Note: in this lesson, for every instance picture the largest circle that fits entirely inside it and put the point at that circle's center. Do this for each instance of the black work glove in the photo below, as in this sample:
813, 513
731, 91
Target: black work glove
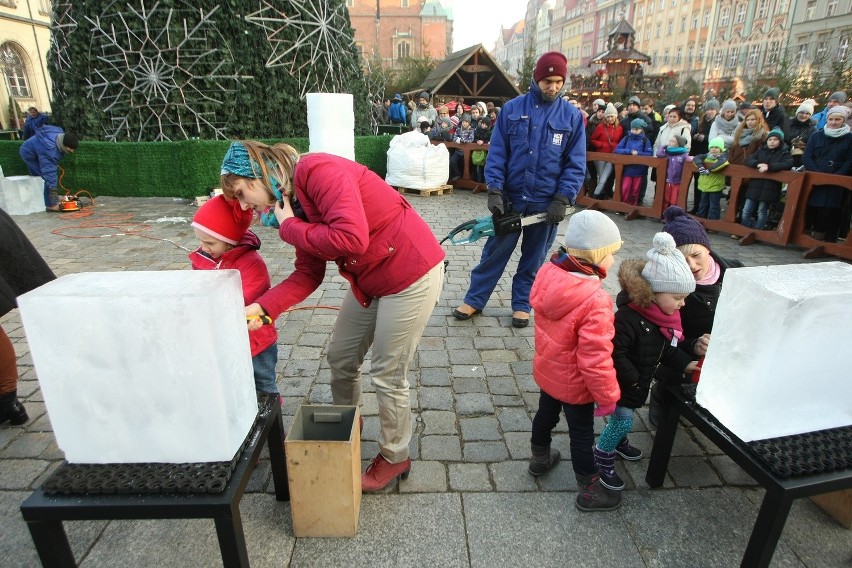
556, 210
495, 202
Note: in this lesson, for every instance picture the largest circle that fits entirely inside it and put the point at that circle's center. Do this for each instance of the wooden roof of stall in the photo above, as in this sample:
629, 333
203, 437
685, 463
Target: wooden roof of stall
470, 73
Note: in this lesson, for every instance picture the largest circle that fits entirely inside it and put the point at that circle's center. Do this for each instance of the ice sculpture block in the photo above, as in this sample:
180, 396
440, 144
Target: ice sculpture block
776, 365
331, 124
143, 366
21, 195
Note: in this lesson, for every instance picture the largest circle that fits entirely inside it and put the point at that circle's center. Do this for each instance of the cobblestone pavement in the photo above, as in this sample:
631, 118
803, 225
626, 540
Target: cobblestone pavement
469, 500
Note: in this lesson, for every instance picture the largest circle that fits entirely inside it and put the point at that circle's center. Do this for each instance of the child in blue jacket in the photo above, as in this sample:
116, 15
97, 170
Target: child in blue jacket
634, 144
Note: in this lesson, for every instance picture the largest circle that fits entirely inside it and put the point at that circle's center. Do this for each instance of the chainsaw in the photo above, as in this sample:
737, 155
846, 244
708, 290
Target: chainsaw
471, 231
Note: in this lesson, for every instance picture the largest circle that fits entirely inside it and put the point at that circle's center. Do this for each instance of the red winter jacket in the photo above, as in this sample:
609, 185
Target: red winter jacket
606, 137
255, 278
574, 327
379, 242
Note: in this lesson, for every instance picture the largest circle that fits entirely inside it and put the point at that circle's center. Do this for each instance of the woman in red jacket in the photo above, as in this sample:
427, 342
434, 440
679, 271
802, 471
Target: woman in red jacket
332, 209
604, 139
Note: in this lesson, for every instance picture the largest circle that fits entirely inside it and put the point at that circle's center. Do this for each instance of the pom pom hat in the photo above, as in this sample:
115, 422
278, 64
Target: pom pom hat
222, 219
610, 110
591, 235
684, 229
550, 64
666, 269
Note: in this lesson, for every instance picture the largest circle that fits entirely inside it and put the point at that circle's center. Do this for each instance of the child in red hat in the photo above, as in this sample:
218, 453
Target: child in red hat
222, 227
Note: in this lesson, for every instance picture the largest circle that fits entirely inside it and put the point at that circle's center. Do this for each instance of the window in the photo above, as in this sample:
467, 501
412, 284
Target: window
783, 7
666, 56
674, 3
44, 7
14, 71
689, 53
683, 24
842, 48
763, 8
642, 11
741, 10
662, 5
701, 54
403, 50
717, 59
350, 3
659, 30
679, 56
403, 3
651, 7
648, 33
821, 50
831, 8
753, 53
772, 52
694, 22
802, 54
733, 56
706, 22
724, 17
810, 12
670, 28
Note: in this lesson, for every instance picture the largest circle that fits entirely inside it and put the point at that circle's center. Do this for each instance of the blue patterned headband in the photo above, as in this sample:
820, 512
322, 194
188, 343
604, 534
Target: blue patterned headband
238, 162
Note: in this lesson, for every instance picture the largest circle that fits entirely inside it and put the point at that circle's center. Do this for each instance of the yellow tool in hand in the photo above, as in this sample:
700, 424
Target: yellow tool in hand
264, 319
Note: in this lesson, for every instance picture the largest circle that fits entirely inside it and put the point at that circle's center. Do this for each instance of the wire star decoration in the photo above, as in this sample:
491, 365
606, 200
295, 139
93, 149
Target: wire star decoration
314, 55
158, 70
62, 25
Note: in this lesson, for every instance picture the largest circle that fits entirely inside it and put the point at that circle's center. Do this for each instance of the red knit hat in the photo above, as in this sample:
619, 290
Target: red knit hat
223, 219
549, 64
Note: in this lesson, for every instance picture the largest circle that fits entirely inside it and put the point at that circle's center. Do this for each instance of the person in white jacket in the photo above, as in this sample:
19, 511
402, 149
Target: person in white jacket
674, 125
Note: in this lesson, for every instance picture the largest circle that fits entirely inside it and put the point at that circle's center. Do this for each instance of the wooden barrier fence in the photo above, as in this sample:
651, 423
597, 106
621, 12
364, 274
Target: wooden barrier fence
789, 230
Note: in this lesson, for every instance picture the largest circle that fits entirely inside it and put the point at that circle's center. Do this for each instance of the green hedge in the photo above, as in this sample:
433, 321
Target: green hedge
163, 169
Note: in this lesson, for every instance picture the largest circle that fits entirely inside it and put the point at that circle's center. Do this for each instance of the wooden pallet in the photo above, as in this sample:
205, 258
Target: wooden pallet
440, 190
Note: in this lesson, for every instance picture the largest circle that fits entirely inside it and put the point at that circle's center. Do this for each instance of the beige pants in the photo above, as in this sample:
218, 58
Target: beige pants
393, 326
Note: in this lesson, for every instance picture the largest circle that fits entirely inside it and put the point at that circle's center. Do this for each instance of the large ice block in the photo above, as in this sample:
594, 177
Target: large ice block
21, 195
143, 366
331, 124
777, 363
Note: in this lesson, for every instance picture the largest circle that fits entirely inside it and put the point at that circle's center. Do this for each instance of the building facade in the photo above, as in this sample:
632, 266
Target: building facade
509, 49
820, 33
24, 43
397, 29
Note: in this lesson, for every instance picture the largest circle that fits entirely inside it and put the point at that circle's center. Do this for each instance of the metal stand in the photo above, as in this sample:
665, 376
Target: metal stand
780, 493
44, 513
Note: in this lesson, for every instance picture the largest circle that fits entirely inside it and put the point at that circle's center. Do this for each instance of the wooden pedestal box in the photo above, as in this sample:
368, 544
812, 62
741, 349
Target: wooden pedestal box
324, 471
837, 504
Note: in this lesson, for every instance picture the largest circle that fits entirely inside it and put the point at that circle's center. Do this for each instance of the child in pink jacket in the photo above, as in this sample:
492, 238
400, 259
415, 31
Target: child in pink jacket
574, 327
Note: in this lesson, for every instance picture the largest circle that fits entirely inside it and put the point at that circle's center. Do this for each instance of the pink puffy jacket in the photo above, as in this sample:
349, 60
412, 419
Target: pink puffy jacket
574, 327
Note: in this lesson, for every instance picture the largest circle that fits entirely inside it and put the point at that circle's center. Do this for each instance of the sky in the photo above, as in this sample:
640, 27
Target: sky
479, 21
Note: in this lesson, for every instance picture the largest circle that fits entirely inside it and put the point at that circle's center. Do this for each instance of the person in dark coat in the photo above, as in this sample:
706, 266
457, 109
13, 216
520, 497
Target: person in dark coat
21, 269
773, 112
801, 128
699, 308
762, 193
33, 122
828, 150
647, 330
42, 153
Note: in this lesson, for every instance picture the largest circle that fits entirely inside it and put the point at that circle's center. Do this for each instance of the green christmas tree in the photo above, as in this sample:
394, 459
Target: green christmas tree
149, 70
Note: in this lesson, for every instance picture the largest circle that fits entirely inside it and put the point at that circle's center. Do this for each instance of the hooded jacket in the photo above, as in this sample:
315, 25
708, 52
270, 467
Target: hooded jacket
255, 279
538, 151
639, 346
573, 337
380, 244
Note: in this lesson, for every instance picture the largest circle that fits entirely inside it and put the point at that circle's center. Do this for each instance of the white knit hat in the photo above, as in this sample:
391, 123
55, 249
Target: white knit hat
806, 106
666, 269
591, 235
610, 110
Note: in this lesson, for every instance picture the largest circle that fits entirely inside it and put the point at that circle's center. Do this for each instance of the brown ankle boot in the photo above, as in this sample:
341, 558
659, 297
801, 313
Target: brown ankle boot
12, 410
595, 497
542, 459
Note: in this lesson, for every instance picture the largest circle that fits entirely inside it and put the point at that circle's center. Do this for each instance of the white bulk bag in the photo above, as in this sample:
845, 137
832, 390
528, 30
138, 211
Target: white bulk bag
416, 163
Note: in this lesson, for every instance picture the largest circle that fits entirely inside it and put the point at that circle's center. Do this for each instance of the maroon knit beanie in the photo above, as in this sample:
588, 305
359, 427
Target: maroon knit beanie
223, 219
550, 64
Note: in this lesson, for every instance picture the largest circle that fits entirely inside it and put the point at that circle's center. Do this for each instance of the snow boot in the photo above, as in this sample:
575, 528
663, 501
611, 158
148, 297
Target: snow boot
595, 497
606, 470
628, 452
542, 459
11, 409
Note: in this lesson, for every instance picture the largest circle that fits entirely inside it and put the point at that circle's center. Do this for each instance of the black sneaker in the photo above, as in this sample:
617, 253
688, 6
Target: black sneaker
628, 452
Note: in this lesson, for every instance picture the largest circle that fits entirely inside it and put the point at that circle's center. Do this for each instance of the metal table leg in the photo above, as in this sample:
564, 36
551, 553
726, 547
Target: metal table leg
52, 544
767, 529
232, 539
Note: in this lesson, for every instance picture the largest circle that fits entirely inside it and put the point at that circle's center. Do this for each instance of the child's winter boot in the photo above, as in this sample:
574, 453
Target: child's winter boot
595, 497
606, 466
543, 458
11, 409
628, 452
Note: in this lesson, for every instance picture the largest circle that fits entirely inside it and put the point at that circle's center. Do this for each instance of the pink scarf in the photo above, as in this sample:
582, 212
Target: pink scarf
670, 325
712, 275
